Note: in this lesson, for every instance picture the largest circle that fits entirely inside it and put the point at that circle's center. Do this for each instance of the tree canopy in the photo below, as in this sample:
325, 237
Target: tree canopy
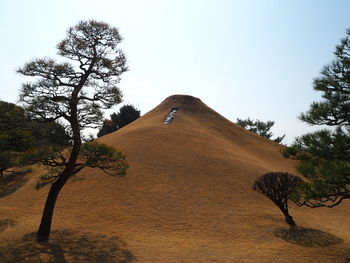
15, 135
260, 128
126, 114
92, 154
324, 155
76, 90
18, 134
277, 186
50, 133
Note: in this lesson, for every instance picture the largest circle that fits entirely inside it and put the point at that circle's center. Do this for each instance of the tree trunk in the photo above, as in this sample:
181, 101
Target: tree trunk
46, 219
288, 218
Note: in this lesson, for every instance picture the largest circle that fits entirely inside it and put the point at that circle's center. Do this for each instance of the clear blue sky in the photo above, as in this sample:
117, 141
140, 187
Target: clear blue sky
248, 58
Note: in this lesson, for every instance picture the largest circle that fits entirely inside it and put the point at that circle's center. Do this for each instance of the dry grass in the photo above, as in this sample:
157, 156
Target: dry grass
66, 246
308, 237
11, 181
187, 197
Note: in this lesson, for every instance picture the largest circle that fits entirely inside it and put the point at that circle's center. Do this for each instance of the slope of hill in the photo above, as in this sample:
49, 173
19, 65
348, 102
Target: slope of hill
187, 197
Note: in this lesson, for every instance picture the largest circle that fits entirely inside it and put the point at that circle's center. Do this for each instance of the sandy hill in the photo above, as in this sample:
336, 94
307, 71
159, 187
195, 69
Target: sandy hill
187, 197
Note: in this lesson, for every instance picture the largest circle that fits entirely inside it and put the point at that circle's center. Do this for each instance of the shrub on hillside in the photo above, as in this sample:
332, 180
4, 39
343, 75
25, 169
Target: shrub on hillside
277, 186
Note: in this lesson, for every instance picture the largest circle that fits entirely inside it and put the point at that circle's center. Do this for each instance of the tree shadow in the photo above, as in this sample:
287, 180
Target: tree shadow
5, 223
307, 237
11, 182
67, 246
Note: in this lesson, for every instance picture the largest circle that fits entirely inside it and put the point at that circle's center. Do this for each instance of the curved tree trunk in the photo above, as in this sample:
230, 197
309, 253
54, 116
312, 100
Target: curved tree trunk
46, 219
289, 219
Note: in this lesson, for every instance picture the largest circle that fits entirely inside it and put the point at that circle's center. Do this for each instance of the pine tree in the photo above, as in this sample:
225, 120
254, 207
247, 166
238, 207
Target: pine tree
277, 186
325, 155
260, 128
76, 92
126, 114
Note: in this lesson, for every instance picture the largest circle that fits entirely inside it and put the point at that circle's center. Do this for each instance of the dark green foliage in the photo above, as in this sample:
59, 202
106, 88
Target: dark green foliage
260, 128
12, 144
12, 117
323, 159
277, 187
108, 126
15, 135
126, 115
8, 160
76, 92
14, 120
92, 154
325, 155
16, 140
18, 133
97, 155
50, 133
334, 83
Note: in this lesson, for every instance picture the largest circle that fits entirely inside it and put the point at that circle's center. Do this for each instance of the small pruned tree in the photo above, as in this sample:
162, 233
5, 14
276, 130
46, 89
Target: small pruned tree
260, 128
75, 91
277, 186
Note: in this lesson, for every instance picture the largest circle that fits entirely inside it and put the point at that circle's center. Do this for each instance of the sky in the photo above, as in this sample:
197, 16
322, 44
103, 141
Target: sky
248, 58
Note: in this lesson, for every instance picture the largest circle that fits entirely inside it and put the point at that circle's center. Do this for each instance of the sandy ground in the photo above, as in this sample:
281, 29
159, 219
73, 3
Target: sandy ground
187, 197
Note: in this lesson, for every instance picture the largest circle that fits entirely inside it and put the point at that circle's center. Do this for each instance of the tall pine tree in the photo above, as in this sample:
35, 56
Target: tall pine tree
325, 155
75, 91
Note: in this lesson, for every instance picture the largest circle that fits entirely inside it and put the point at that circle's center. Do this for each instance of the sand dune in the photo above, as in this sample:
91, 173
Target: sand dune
187, 197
